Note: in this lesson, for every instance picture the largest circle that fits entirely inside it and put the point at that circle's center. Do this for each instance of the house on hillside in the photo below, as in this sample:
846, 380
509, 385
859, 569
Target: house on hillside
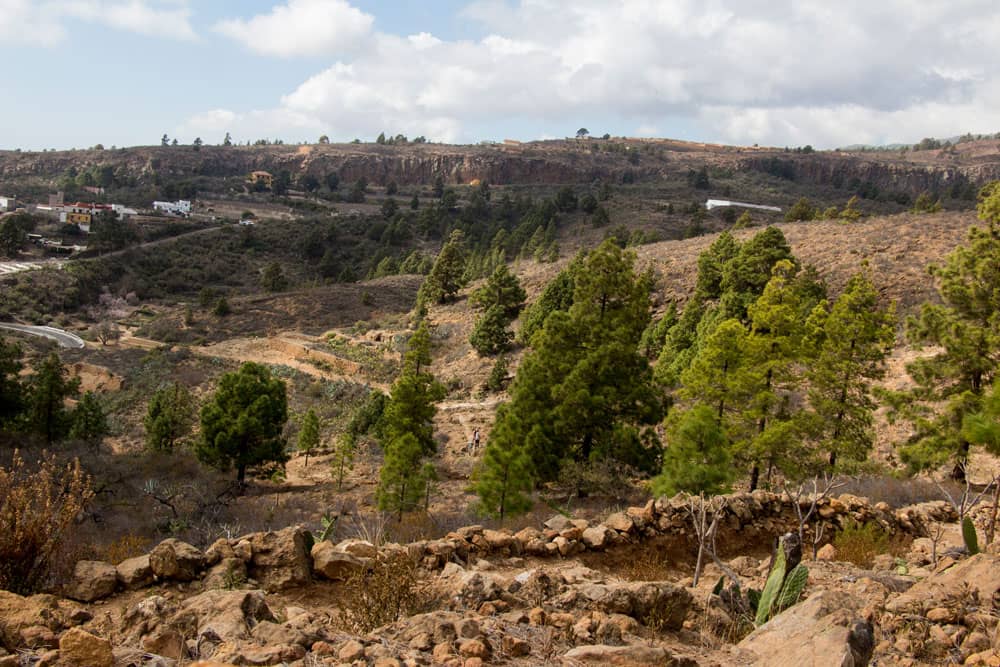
181, 208
261, 177
8, 204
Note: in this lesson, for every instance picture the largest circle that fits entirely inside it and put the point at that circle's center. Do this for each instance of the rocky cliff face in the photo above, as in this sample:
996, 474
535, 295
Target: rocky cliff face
546, 163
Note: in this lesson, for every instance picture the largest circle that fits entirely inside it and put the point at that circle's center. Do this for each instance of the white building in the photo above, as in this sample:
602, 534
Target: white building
182, 207
717, 203
7, 204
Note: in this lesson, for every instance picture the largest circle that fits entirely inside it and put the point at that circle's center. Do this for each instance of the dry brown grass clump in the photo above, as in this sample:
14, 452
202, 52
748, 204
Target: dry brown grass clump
387, 591
38, 507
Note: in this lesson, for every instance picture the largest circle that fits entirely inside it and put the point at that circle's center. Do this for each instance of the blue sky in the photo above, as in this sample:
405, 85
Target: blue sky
124, 72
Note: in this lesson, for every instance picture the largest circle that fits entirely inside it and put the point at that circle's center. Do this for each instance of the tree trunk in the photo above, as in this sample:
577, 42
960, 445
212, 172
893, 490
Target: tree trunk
241, 476
754, 477
833, 458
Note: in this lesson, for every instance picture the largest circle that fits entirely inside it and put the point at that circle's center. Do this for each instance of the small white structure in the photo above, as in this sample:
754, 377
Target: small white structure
719, 203
8, 204
246, 223
181, 207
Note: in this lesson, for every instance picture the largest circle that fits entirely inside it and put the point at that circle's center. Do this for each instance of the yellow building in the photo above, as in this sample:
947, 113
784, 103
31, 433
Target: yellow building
78, 218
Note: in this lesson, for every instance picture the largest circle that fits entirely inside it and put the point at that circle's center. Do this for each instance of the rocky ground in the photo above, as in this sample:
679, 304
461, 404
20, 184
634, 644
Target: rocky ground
568, 592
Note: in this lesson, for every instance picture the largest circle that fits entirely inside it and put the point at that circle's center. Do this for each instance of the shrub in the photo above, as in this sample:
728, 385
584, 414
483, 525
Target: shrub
383, 594
859, 543
127, 546
37, 510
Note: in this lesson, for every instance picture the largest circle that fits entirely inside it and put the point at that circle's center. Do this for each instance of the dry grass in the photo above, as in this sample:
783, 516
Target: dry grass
39, 506
386, 592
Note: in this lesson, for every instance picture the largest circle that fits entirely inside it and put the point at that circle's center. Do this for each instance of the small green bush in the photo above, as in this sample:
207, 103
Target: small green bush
859, 543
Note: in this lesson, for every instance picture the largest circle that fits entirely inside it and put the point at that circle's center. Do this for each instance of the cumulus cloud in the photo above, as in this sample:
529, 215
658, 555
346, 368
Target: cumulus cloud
301, 28
744, 71
42, 22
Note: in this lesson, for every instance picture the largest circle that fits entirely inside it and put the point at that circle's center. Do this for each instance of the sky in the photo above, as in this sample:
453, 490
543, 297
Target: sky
770, 72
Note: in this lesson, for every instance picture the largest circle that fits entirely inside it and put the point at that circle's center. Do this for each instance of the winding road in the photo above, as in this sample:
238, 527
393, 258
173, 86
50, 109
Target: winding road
63, 338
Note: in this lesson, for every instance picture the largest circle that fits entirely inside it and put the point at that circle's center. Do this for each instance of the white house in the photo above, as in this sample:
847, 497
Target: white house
717, 203
7, 204
181, 207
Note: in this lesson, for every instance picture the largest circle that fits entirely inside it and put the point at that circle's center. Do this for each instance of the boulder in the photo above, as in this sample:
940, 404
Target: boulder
92, 580
281, 560
598, 537
979, 572
228, 573
78, 648
18, 613
825, 630
357, 548
135, 573
668, 603
226, 615
827, 552
335, 565
176, 560
166, 642
621, 522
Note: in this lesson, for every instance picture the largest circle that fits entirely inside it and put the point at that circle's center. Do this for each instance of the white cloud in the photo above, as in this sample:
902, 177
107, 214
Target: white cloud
743, 71
301, 28
42, 22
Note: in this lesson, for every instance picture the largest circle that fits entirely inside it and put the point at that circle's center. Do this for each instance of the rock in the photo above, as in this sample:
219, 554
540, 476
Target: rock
979, 572
280, 560
467, 628
668, 602
18, 613
557, 522
135, 573
941, 615
243, 550
637, 655
229, 573
597, 537
621, 522
335, 565
976, 642
78, 648
514, 647
476, 588
827, 552
176, 560
823, 630
357, 548
167, 642
38, 636
268, 632
475, 648
92, 580
218, 550
352, 650
451, 570
228, 615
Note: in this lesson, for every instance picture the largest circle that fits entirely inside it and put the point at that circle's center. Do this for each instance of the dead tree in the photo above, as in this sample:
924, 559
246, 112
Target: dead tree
819, 493
705, 516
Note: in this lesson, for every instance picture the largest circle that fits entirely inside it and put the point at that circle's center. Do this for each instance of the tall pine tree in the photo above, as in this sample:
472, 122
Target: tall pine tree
965, 325
856, 337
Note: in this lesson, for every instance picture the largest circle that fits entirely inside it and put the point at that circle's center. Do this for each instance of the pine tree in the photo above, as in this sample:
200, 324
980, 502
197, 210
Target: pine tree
309, 435
445, 278
966, 326
504, 477
586, 375
696, 458
557, 295
710, 266
772, 376
983, 427
169, 417
46, 412
502, 290
857, 336
242, 424
343, 457
400, 488
490, 334
12, 392
410, 410
715, 376
745, 275
90, 422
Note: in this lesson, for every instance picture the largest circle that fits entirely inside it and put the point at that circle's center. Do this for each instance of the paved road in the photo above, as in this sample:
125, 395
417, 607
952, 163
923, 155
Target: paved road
64, 338
17, 267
